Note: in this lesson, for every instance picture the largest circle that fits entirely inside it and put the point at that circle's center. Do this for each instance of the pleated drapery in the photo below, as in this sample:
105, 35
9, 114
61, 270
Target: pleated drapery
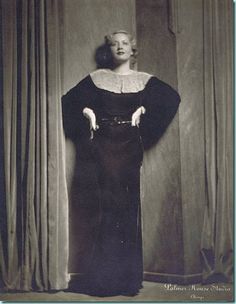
217, 234
34, 204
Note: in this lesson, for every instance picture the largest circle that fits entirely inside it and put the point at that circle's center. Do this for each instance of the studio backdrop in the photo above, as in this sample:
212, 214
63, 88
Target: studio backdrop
47, 47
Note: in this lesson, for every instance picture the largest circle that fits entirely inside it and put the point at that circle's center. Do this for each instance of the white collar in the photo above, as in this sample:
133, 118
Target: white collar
118, 83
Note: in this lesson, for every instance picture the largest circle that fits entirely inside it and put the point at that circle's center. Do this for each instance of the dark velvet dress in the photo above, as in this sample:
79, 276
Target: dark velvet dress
116, 150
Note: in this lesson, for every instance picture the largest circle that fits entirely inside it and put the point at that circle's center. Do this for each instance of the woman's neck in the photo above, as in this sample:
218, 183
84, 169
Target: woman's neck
122, 69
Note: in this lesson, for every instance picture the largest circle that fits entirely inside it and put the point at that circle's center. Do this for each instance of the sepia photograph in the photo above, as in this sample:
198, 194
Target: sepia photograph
116, 151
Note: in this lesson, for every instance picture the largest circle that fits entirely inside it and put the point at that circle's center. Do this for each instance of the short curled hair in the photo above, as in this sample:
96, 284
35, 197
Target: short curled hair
109, 39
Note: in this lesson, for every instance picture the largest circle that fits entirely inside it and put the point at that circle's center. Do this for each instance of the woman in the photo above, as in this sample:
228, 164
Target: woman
114, 113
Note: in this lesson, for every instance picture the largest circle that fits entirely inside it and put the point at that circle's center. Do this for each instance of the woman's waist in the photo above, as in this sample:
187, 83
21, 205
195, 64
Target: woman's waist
121, 131
113, 120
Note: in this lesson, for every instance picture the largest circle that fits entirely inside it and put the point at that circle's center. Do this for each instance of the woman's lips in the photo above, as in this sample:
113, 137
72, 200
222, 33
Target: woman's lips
120, 53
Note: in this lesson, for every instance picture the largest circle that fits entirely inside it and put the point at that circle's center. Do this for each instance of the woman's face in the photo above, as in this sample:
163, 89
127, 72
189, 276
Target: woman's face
121, 48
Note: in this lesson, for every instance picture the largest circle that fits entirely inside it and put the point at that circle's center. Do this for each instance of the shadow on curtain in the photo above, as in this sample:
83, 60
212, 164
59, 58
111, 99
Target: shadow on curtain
34, 209
217, 235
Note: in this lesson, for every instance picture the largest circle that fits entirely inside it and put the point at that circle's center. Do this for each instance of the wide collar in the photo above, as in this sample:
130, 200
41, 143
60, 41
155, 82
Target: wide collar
131, 83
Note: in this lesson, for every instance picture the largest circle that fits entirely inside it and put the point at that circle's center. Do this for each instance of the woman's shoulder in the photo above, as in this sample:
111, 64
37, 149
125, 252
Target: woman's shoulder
106, 79
157, 84
82, 87
84, 84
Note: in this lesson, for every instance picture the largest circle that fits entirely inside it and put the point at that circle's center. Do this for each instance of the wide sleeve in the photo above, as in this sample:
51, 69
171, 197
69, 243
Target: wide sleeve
161, 102
76, 126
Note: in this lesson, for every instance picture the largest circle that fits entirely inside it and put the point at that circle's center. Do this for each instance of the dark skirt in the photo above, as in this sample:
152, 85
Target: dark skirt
116, 263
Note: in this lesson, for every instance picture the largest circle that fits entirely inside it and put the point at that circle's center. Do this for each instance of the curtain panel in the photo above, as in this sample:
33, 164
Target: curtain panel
34, 204
217, 234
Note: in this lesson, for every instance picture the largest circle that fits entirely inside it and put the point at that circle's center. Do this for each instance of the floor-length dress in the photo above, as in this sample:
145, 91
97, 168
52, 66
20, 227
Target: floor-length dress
117, 151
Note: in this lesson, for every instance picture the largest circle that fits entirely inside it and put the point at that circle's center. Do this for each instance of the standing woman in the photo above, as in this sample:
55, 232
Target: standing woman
114, 113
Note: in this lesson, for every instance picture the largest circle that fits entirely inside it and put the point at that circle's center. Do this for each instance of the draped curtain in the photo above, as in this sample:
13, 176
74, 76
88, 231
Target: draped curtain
33, 200
217, 234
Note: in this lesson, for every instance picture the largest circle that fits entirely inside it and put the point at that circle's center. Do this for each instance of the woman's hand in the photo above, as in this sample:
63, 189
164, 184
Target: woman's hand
136, 116
88, 113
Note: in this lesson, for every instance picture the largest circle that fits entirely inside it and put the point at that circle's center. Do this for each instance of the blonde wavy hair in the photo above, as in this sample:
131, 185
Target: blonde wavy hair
110, 37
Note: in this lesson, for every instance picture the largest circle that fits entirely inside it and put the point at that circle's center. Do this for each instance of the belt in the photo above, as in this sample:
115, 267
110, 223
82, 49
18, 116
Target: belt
114, 120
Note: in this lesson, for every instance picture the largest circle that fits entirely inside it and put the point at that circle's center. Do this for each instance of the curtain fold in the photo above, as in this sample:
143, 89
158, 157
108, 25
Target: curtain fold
217, 234
34, 203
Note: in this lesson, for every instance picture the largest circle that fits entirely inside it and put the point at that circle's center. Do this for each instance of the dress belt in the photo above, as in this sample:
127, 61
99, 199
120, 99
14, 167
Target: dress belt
114, 120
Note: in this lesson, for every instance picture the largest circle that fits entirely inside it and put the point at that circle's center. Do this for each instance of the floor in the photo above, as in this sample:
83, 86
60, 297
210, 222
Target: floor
155, 292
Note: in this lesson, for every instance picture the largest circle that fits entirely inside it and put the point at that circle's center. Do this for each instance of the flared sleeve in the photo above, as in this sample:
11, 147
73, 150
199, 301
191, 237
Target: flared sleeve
75, 124
161, 102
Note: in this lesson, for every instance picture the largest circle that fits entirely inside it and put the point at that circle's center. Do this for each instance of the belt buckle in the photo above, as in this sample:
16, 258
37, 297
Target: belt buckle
116, 119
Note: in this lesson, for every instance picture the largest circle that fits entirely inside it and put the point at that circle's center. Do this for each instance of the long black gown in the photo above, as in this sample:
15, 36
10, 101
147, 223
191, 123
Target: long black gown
116, 150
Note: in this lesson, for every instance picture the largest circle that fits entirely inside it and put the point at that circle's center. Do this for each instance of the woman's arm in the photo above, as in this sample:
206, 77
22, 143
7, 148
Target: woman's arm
76, 124
161, 102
